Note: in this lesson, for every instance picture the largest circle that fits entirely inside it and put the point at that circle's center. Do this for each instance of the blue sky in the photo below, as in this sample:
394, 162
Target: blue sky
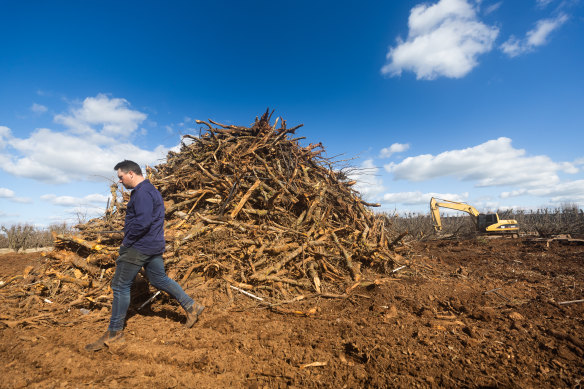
478, 101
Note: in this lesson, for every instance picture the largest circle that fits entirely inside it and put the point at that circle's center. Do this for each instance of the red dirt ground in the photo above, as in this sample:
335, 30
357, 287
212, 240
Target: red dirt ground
473, 313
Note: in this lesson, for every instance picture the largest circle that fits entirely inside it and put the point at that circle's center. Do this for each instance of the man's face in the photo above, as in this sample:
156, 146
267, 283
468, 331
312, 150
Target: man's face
126, 179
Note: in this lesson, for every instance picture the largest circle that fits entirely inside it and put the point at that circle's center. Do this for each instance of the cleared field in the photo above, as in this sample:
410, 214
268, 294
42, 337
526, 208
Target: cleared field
474, 313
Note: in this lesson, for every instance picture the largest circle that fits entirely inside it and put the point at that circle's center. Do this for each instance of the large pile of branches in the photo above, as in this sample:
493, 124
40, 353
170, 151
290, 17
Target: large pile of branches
250, 206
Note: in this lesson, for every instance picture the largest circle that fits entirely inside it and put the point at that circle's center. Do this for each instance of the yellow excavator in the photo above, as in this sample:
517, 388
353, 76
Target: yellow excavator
485, 222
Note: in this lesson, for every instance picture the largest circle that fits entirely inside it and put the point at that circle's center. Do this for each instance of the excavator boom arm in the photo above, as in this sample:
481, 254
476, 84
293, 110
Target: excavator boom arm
435, 210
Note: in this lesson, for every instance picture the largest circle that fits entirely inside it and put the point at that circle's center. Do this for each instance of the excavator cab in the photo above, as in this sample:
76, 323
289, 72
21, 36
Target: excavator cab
485, 220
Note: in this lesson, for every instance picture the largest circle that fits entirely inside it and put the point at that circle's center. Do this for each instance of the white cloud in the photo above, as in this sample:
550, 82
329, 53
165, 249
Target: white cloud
75, 215
57, 157
514, 193
492, 8
571, 191
38, 108
513, 47
5, 134
6, 193
22, 200
70, 201
419, 198
9, 194
113, 116
186, 121
493, 163
444, 39
387, 152
368, 183
82, 152
544, 3
538, 36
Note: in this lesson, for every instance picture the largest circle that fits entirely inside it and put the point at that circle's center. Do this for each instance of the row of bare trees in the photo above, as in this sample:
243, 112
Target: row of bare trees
26, 236
567, 219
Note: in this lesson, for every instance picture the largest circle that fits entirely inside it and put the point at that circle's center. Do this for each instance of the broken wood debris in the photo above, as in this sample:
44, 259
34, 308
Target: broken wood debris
570, 302
250, 206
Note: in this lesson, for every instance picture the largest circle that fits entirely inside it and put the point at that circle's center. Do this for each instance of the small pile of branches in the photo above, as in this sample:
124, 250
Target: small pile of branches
249, 206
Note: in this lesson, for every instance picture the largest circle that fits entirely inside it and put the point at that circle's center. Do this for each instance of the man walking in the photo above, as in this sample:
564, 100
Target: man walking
142, 246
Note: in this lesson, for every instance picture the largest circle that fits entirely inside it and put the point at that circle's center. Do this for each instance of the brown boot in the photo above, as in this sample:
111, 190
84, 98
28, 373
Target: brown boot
193, 314
105, 340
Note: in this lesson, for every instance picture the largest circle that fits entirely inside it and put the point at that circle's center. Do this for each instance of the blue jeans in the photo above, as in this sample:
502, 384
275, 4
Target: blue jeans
124, 277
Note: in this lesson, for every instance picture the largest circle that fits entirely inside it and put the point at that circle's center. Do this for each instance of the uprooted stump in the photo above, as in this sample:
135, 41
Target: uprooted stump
249, 206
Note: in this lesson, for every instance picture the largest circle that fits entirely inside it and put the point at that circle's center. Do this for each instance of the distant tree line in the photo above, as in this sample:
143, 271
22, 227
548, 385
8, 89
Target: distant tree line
26, 236
566, 219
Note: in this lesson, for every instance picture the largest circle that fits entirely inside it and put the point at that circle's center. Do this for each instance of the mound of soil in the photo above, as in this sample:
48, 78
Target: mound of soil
474, 313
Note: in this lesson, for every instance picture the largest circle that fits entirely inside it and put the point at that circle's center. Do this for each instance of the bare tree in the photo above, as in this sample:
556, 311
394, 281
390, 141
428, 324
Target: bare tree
19, 236
25, 236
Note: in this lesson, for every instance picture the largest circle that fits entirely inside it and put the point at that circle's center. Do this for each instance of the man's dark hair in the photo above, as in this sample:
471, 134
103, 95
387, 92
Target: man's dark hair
128, 166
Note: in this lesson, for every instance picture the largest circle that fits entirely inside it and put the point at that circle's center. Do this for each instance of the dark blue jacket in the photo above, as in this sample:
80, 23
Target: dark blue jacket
144, 224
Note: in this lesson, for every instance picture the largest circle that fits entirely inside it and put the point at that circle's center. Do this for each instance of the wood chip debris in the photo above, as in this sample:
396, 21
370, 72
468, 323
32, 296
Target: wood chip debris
313, 364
